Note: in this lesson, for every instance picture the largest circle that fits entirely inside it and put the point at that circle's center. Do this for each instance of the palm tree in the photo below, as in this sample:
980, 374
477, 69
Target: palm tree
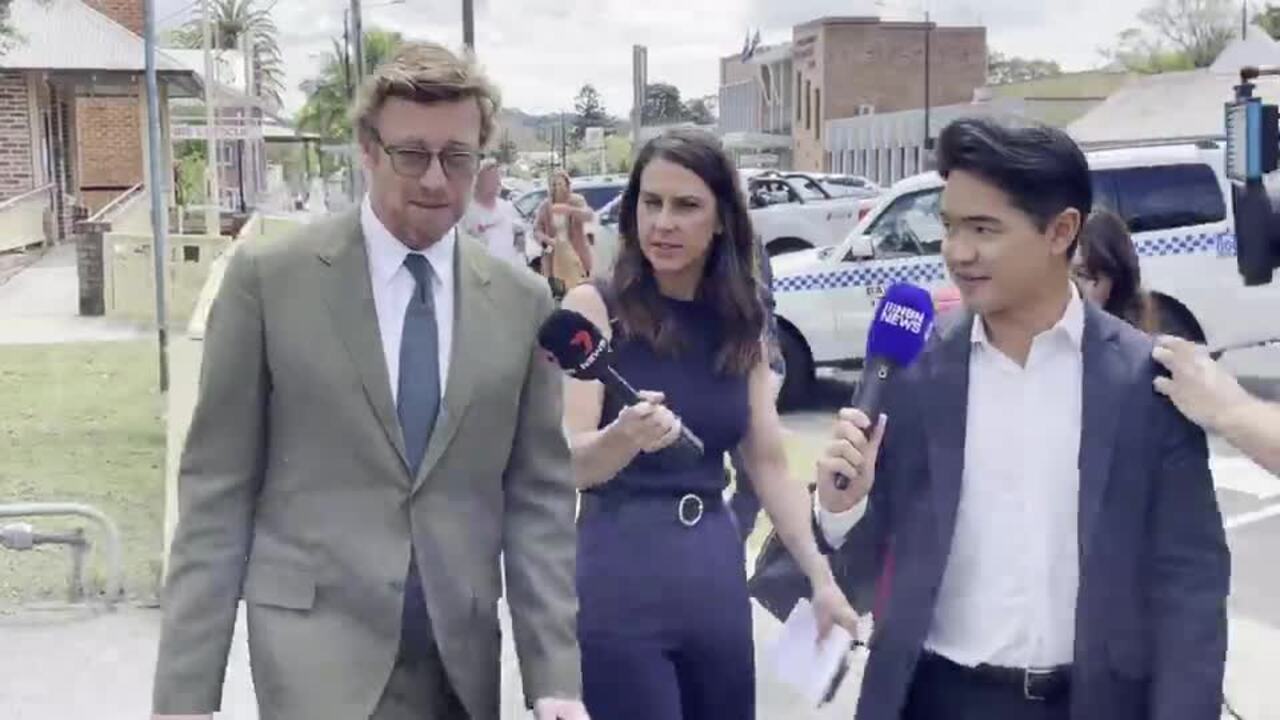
231, 20
327, 110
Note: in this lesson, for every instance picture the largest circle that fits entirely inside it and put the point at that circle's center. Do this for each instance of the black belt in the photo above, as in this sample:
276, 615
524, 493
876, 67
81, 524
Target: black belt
1042, 685
688, 507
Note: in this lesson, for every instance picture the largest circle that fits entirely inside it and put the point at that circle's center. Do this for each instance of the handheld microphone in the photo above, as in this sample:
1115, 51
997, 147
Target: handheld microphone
584, 354
899, 330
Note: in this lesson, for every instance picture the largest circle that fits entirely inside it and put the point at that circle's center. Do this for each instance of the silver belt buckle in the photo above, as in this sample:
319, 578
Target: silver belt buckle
1027, 678
698, 506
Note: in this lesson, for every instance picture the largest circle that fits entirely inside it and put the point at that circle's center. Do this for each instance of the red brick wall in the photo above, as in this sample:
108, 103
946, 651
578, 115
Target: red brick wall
110, 146
126, 12
15, 136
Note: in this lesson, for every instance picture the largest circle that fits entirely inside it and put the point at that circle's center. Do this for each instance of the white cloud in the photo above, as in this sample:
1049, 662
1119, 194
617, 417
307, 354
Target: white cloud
541, 51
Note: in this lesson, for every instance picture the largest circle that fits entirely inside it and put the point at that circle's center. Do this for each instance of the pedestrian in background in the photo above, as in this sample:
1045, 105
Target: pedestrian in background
560, 226
494, 220
1108, 272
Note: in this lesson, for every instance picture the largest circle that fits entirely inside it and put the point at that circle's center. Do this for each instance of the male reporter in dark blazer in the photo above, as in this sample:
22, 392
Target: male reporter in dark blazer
1055, 542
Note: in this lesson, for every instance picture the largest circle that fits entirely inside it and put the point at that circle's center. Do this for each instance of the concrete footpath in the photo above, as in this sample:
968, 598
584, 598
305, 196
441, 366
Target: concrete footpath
60, 665
39, 305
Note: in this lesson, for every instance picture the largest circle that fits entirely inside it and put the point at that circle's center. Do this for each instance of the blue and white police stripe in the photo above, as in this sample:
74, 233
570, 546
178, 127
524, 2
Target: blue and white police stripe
928, 271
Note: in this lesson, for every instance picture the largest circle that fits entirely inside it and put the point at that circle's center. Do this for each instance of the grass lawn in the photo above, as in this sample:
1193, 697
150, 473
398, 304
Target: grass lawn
81, 424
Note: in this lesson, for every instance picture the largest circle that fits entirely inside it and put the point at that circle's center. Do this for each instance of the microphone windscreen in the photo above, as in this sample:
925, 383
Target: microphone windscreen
575, 342
902, 323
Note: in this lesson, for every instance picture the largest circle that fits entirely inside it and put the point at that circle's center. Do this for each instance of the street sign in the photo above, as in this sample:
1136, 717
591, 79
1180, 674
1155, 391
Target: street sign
225, 132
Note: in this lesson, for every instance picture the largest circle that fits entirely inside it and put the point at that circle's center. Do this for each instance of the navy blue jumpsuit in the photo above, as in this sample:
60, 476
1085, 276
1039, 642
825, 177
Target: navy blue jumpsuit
665, 621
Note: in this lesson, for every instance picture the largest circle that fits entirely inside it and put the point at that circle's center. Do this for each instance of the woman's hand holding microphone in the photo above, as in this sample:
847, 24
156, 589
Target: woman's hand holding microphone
649, 426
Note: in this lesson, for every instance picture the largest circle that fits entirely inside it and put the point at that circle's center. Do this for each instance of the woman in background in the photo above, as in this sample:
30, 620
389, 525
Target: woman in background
560, 226
1108, 272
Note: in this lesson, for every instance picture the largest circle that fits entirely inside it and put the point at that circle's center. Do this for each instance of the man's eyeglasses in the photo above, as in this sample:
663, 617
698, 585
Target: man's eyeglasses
414, 162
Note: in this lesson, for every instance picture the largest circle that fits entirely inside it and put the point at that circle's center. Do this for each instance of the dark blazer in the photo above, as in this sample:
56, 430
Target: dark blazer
1151, 623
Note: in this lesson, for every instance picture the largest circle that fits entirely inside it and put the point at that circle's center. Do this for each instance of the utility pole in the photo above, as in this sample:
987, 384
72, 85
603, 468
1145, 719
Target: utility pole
357, 50
159, 218
468, 25
928, 32
251, 117
213, 203
346, 52
639, 92
564, 145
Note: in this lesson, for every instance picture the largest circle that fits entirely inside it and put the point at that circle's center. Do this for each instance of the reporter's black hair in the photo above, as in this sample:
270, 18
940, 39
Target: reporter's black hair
1039, 167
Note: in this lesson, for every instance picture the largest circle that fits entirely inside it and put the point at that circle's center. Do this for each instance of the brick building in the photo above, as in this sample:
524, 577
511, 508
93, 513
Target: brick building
72, 108
851, 66
842, 67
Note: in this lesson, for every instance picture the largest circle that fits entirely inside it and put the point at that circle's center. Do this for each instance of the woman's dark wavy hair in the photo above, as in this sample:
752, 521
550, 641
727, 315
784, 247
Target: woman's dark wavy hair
1107, 249
729, 285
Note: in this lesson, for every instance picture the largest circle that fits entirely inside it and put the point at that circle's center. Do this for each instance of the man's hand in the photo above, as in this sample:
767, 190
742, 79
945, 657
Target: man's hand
553, 709
1199, 387
831, 608
853, 454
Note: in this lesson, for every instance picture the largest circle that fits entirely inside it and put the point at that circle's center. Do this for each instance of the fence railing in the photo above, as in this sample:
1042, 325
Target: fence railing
22, 218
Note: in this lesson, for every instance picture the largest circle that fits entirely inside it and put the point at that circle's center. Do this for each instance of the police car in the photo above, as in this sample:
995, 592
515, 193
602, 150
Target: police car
1175, 198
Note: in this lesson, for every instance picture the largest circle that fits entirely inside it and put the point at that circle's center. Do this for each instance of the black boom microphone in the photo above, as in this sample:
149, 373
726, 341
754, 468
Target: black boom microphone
584, 354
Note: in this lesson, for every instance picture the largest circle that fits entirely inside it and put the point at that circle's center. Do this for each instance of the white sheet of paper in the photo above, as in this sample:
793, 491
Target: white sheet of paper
799, 661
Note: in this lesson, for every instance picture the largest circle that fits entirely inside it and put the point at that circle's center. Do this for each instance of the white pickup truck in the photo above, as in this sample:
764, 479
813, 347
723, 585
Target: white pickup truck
794, 212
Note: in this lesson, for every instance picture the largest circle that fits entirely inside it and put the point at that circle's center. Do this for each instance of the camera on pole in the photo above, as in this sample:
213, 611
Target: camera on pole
1253, 151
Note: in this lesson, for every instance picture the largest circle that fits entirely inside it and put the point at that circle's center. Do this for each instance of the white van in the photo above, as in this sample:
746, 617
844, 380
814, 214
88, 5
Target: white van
1174, 197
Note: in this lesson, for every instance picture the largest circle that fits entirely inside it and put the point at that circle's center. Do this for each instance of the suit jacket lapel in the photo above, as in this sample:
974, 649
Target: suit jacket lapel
945, 409
1104, 382
349, 295
473, 320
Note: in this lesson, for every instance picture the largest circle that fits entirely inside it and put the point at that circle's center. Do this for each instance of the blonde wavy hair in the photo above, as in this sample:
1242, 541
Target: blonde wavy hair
426, 72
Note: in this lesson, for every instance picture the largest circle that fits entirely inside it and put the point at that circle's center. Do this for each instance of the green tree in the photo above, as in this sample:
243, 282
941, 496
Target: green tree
697, 111
589, 108
1177, 35
662, 104
232, 20
327, 109
1002, 69
9, 35
1269, 20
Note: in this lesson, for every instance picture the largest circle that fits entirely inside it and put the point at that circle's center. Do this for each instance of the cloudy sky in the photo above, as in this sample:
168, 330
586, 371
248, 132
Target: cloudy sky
541, 51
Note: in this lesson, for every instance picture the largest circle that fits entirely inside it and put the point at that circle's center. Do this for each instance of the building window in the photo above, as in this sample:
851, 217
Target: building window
862, 163
799, 99
879, 176
902, 162
817, 111
808, 105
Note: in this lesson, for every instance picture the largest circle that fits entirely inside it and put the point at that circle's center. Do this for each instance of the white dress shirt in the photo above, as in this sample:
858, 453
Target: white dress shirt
1008, 595
393, 288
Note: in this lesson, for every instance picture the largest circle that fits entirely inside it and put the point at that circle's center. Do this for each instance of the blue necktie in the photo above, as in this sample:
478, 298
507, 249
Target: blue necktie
417, 404
418, 398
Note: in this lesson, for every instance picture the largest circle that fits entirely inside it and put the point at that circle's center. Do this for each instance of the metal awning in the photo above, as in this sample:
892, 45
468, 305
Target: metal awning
69, 39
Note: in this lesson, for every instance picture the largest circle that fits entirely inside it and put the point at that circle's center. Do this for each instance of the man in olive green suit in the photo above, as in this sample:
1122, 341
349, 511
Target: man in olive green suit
375, 428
